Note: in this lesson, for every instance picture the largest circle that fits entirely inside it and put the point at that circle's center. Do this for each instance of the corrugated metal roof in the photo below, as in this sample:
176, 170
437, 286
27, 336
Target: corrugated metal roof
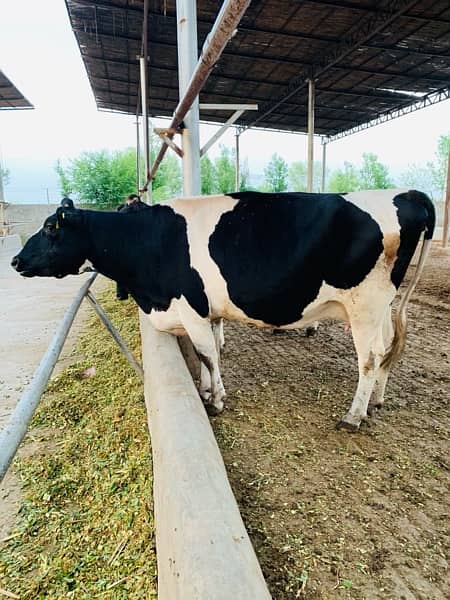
10, 97
369, 58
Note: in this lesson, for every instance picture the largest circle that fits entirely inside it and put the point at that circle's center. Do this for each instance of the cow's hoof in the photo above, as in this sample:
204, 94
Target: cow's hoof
372, 409
352, 427
213, 410
205, 395
311, 331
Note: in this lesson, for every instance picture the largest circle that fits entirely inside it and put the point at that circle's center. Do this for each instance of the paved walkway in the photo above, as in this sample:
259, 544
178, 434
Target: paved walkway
30, 311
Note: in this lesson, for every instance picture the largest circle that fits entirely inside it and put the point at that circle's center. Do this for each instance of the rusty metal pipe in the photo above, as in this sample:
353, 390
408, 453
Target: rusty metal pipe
227, 20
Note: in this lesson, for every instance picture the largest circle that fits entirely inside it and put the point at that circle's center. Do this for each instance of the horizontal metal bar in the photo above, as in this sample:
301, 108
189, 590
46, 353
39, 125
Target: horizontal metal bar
14, 432
228, 106
166, 139
234, 117
115, 334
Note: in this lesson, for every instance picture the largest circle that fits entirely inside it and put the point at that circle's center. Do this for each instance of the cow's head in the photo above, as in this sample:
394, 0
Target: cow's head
56, 250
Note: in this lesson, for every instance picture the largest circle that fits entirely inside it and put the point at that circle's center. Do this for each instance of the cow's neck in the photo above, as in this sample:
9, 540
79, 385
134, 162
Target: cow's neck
148, 253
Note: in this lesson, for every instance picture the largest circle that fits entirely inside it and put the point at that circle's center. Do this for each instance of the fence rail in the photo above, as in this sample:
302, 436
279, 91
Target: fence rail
14, 431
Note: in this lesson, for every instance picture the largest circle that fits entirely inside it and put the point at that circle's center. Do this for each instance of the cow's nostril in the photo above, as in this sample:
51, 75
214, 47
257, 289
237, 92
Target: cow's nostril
15, 262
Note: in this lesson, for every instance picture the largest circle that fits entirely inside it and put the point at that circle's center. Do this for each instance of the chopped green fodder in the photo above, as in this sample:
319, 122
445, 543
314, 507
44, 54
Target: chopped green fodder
86, 522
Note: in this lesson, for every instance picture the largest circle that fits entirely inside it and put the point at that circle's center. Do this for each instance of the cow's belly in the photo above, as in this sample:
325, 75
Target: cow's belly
327, 305
168, 321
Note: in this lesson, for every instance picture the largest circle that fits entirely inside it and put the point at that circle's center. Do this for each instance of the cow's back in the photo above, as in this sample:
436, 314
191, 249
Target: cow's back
270, 254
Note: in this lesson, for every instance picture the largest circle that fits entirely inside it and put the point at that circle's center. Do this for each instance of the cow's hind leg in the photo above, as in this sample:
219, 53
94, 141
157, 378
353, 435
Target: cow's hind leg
368, 339
203, 339
377, 397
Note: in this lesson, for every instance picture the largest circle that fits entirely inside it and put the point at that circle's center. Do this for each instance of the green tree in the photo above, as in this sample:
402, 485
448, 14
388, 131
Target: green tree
345, 179
244, 176
219, 176
298, 176
418, 177
225, 170
438, 169
276, 174
167, 182
373, 175
208, 176
65, 186
104, 179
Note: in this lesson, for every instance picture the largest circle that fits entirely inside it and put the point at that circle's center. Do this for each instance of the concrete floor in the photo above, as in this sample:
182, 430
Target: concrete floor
30, 311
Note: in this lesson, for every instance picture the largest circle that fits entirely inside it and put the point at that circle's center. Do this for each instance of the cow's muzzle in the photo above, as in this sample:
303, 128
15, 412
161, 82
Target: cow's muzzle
18, 266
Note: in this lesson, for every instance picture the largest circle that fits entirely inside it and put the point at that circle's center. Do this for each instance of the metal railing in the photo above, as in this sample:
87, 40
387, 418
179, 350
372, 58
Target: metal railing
14, 431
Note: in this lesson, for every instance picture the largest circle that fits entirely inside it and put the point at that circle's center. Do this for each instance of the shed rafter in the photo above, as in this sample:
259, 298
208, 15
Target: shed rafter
368, 59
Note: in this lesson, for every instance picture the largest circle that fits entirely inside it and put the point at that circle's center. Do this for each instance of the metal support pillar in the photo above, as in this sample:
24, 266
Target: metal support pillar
143, 72
324, 164
187, 63
237, 172
138, 155
310, 176
446, 207
223, 28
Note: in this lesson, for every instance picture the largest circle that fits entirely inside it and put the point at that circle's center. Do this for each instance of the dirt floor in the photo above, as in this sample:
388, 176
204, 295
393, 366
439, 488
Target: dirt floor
331, 514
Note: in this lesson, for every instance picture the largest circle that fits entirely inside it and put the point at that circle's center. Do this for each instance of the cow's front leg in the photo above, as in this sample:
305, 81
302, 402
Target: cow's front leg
217, 327
200, 332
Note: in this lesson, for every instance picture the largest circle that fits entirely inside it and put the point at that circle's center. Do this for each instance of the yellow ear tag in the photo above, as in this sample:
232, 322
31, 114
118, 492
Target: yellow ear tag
56, 225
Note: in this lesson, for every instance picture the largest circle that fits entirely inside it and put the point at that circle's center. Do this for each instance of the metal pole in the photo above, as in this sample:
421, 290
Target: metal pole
14, 431
143, 72
138, 156
115, 334
187, 62
2, 193
310, 135
324, 164
223, 28
446, 207
237, 172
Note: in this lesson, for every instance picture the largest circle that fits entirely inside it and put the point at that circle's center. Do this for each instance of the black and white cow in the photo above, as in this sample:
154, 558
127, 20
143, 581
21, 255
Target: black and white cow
274, 260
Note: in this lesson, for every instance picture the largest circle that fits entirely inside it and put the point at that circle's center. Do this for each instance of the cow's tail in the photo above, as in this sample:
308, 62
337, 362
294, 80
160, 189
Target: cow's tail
401, 319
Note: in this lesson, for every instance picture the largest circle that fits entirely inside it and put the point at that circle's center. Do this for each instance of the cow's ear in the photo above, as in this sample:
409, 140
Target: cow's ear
68, 216
67, 203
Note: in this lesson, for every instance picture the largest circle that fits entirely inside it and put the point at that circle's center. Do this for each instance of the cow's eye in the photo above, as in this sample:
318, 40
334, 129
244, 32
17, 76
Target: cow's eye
49, 229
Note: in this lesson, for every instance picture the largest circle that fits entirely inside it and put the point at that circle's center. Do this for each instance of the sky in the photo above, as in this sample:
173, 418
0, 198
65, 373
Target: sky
39, 53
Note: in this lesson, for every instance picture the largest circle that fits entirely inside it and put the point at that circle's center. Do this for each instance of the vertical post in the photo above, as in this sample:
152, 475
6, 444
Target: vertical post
310, 178
138, 156
237, 172
324, 164
3, 223
446, 207
2, 194
143, 72
187, 62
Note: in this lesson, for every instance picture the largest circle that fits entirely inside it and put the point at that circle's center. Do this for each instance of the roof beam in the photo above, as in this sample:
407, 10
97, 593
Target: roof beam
255, 31
319, 89
356, 6
361, 33
311, 66
428, 100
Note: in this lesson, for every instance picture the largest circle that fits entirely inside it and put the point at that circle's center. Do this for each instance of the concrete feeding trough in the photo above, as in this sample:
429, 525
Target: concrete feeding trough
203, 549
